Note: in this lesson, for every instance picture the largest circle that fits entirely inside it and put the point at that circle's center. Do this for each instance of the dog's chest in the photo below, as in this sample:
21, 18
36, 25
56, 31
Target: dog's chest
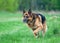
34, 24
30, 24
33, 27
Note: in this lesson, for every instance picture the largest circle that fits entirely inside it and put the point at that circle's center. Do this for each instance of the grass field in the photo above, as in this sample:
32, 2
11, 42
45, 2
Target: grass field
13, 30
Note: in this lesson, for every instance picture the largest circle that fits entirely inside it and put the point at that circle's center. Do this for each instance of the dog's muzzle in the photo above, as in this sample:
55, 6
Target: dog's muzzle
25, 20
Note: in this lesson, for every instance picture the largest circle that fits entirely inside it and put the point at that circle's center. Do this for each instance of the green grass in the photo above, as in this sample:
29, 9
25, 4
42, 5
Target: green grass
13, 30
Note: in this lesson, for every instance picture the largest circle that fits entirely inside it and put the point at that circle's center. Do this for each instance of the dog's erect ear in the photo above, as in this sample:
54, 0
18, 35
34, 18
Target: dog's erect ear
30, 11
23, 11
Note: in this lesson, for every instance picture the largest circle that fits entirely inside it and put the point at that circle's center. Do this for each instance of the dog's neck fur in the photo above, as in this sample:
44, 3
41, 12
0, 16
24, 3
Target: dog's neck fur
32, 23
33, 18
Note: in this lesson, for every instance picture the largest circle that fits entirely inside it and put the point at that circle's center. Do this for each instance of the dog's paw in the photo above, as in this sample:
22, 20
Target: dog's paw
36, 36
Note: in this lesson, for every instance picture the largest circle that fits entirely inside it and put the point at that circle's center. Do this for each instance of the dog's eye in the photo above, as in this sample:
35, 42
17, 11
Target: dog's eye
25, 14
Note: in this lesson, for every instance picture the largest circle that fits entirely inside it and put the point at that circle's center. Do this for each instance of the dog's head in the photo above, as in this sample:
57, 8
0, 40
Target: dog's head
27, 15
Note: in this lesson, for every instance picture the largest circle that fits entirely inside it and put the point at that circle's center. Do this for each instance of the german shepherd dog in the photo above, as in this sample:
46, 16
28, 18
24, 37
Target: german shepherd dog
37, 22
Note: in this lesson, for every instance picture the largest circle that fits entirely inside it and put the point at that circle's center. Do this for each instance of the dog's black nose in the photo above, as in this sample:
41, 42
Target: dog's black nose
25, 20
27, 16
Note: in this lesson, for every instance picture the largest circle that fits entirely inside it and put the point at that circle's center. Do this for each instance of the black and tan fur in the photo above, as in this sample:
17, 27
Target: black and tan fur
37, 22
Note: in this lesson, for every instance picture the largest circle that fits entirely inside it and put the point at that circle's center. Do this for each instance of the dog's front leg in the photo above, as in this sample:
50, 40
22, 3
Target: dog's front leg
36, 32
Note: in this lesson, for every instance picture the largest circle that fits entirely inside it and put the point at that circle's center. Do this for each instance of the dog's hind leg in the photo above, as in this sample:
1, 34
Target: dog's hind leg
44, 29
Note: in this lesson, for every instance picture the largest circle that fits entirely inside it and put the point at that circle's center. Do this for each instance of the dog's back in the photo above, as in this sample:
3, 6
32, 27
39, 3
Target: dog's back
42, 17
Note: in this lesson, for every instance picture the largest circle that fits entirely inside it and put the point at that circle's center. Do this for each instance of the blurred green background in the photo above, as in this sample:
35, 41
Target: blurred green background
12, 28
13, 5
